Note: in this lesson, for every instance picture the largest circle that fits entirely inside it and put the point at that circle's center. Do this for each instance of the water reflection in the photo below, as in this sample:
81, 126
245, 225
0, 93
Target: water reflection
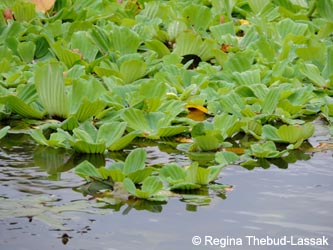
54, 161
273, 202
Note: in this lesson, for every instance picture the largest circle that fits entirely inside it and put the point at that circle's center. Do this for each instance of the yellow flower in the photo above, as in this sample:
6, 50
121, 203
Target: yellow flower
244, 22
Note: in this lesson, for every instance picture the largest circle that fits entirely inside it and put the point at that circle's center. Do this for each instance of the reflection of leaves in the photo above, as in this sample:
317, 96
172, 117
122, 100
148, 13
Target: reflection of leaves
43, 208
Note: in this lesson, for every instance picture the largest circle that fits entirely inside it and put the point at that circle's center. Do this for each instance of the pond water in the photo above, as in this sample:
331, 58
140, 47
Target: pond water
293, 201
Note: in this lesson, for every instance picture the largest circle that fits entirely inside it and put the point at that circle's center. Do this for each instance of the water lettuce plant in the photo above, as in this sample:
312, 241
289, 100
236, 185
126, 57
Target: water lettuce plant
109, 72
137, 180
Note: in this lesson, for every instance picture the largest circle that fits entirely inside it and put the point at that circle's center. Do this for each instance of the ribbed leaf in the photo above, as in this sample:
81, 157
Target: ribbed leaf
257, 5
198, 16
185, 186
81, 40
289, 133
89, 109
152, 185
67, 56
140, 175
226, 158
132, 70
135, 161
248, 77
85, 169
89, 148
307, 130
4, 131
188, 43
288, 26
111, 132
173, 173
206, 142
135, 119
171, 131
232, 103
158, 47
215, 170
125, 40
271, 100
202, 176
124, 141
312, 72
129, 185
101, 39
51, 89
21, 108
328, 69
270, 133
325, 9
24, 11
26, 51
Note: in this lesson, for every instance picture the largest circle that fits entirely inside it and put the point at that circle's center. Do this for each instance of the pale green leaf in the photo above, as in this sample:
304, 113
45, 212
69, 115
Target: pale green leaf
4, 131
86, 170
51, 89
135, 161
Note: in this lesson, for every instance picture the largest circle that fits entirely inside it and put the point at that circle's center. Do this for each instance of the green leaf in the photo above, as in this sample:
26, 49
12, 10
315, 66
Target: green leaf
197, 16
124, 141
135, 161
312, 72
158, 47
202, 176
130, 187
135, 119
172, 173
171, 131
207, 142
125, 40
89, 148
39, 137
132, 70
111, 132
51, 89
289, 133
328, 69
81, 40
271, 100
89, 109
325, 9
214, 171
4, 131
248, 77
270, 133
257, 5
24, 11
185, 186
152, 185
26, 50
225, 158
86, 170
188, 43
307, 130
266, 150
288, 26
140, 175
21, 108
232, 103
67, 56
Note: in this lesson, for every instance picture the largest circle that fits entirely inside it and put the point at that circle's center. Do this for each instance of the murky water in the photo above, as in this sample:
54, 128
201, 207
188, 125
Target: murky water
293, 202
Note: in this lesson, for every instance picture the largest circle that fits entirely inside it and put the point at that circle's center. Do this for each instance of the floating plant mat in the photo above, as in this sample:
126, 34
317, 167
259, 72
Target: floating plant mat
221, 82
